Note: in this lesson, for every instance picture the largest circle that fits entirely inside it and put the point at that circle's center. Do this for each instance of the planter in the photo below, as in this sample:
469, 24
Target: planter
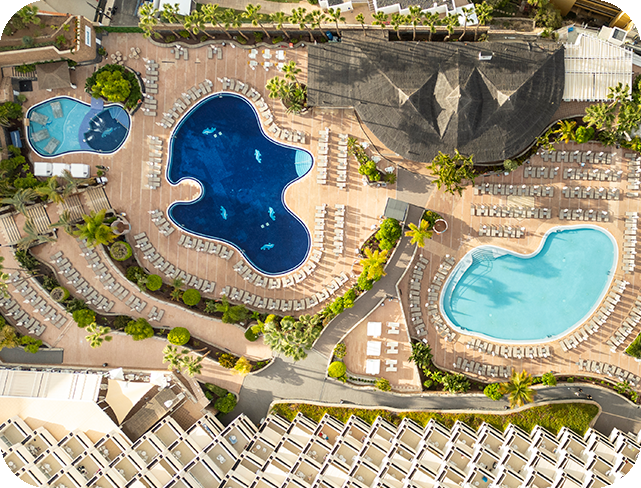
120, 226
440, 226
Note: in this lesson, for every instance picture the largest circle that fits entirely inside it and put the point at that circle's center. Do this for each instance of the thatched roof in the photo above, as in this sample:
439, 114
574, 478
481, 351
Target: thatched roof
487, 99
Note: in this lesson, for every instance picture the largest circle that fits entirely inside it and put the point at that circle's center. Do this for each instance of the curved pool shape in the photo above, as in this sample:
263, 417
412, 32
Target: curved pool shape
243, 176
531, 298
63, 125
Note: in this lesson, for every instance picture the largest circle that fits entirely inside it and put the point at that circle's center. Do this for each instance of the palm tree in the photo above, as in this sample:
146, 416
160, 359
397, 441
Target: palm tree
467, 14
66, 222
194, 23
419, 233
148, 16
51, 191
432, 20
316, 18
416, 14
71, 184
276, 87
173, 356
192, 365
483, 14
380, 18
210, 14
169, 15
335, 15
291, 70
374, 263
232, 19
299, 16
97, 335
20, 199
94, 230
278, 19
252, 13
566, 130
32, 236
397, 21
518, 389
360, 18
451, 21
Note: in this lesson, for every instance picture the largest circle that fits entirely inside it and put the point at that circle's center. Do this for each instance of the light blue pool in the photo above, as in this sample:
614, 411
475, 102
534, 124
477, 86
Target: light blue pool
63, 125
512, 297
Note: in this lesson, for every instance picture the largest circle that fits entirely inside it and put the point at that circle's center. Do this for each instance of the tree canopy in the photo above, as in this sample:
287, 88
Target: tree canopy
450, 171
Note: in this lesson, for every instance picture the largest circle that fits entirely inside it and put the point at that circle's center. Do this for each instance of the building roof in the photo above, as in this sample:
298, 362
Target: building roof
419, 98
396, 209
52, 76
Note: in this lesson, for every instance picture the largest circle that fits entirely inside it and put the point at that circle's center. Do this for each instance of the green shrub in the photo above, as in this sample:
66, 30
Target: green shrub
584, 134
227, 360
570, 380
27, 41
216, 390
340, 350
170, 38
277, 39
120, 251
364, 283
84, 317
510, 165
250, 336
191, 297
179, 336
209, 395
26, 260
493, 391
389, 233
455, 383
548, 379
121, 322
49, 283
634, 349
337, 370
226, 404
30, 344
134, 273
74, 305
59, 294
258, 328
349, 298
154, 282
139, 329
258, 36
427, 384
383, 384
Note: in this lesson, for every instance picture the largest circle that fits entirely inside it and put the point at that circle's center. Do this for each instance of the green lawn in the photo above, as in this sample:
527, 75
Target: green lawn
575, 416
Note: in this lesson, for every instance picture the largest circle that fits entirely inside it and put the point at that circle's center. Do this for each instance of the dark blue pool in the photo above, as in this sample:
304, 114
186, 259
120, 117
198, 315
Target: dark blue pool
243, 175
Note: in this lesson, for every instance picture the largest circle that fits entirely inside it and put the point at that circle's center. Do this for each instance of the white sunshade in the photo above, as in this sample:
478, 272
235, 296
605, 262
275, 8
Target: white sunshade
158, 378
374, 329
373, 348
373, 366
117, 374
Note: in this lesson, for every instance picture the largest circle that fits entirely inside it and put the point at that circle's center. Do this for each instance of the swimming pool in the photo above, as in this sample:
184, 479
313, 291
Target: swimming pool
243, 176
512, 297
63, 125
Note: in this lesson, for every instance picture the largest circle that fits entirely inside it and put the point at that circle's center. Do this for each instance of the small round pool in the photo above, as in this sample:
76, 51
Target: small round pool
63, 125
511, 297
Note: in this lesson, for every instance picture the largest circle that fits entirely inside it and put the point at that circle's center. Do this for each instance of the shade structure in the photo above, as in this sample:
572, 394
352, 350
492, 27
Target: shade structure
53, 76
373, 348
374, 329
373, 366
117, 374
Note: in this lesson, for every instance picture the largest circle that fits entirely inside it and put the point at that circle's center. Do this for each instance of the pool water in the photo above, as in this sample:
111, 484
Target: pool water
513, 297
95, 128
243, 176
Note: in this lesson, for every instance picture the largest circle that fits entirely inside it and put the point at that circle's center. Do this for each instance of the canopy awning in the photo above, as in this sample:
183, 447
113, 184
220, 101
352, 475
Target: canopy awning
53, 76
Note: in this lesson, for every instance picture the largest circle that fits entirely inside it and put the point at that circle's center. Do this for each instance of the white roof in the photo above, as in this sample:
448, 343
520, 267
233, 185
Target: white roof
372, 366
52, 386
373, 348
592, 65
77, 170
374, 329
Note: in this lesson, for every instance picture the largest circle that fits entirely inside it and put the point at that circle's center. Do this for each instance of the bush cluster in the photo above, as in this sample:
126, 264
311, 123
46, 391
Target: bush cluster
120, 251
179, 336
389, 233
191, 297
337, 370
154, 282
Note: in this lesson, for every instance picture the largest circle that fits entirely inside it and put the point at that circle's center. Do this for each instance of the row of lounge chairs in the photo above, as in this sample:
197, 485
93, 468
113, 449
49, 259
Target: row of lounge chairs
580, 214
519, 190
168, 269
608, 369
209, 247
341, 173
319, 226
507, 211
180, 105
21, 318
506, 231
630, 242
151, 88
627, 326
593, 193
432, 295
213, 50
90, 295
597, 174
591, 157
258, 302
486, 370
634, 177
539, 172
339, 228
599, 318
155, 162
159, 220
323, 150
415, 295
517, 352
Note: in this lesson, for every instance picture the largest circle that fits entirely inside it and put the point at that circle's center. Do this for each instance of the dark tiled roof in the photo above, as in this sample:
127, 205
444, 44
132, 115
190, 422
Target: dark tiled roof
419, 98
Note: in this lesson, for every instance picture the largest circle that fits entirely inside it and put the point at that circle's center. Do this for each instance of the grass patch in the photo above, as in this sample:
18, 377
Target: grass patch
574, 416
